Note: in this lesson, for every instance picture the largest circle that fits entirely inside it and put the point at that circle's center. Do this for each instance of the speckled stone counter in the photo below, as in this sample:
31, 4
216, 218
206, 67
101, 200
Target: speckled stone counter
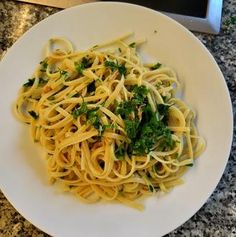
217, 218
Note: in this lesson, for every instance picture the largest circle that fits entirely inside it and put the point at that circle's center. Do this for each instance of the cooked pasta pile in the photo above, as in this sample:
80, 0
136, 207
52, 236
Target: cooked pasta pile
111, 126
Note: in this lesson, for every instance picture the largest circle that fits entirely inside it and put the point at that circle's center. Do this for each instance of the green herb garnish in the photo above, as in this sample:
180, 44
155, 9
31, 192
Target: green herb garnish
44, 65
29, 83
120, 152
64, 73
110, 126
150, 133
115, 66
91, 116
132, 45
127, 107
85, 63
144, 127
94, 119
33, 114
151, 188
189, 165
156, 66
140, 94
80, 110
79, 67
163, 110
131, 128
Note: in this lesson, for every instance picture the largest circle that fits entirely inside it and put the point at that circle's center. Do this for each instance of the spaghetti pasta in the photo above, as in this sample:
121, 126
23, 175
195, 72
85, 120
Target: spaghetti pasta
111, 127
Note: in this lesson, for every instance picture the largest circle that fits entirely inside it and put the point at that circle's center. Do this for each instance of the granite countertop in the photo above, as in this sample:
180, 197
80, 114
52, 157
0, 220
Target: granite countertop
218, 216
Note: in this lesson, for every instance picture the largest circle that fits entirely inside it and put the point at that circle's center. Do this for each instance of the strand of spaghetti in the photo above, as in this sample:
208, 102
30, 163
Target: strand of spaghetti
123, 37
112, 116
128, 174
66, 43
115, 93
115, 136
179, 129
156, 93
130, 203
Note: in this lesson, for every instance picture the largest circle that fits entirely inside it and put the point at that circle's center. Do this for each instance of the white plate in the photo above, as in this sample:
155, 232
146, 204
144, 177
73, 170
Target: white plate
22, 171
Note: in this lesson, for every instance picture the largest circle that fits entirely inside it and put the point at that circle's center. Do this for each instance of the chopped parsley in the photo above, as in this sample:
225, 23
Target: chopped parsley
33, 114
91, 115
131, 128
85, 63
132, 45
150, 133
64, 73
44, 65
190, 165
94, 119
151, 188
156, 66
110, 126
127, 107
30, 82
115, 66
80, 110
145, 130
140, 94
120, 152
163, 110
79, 67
